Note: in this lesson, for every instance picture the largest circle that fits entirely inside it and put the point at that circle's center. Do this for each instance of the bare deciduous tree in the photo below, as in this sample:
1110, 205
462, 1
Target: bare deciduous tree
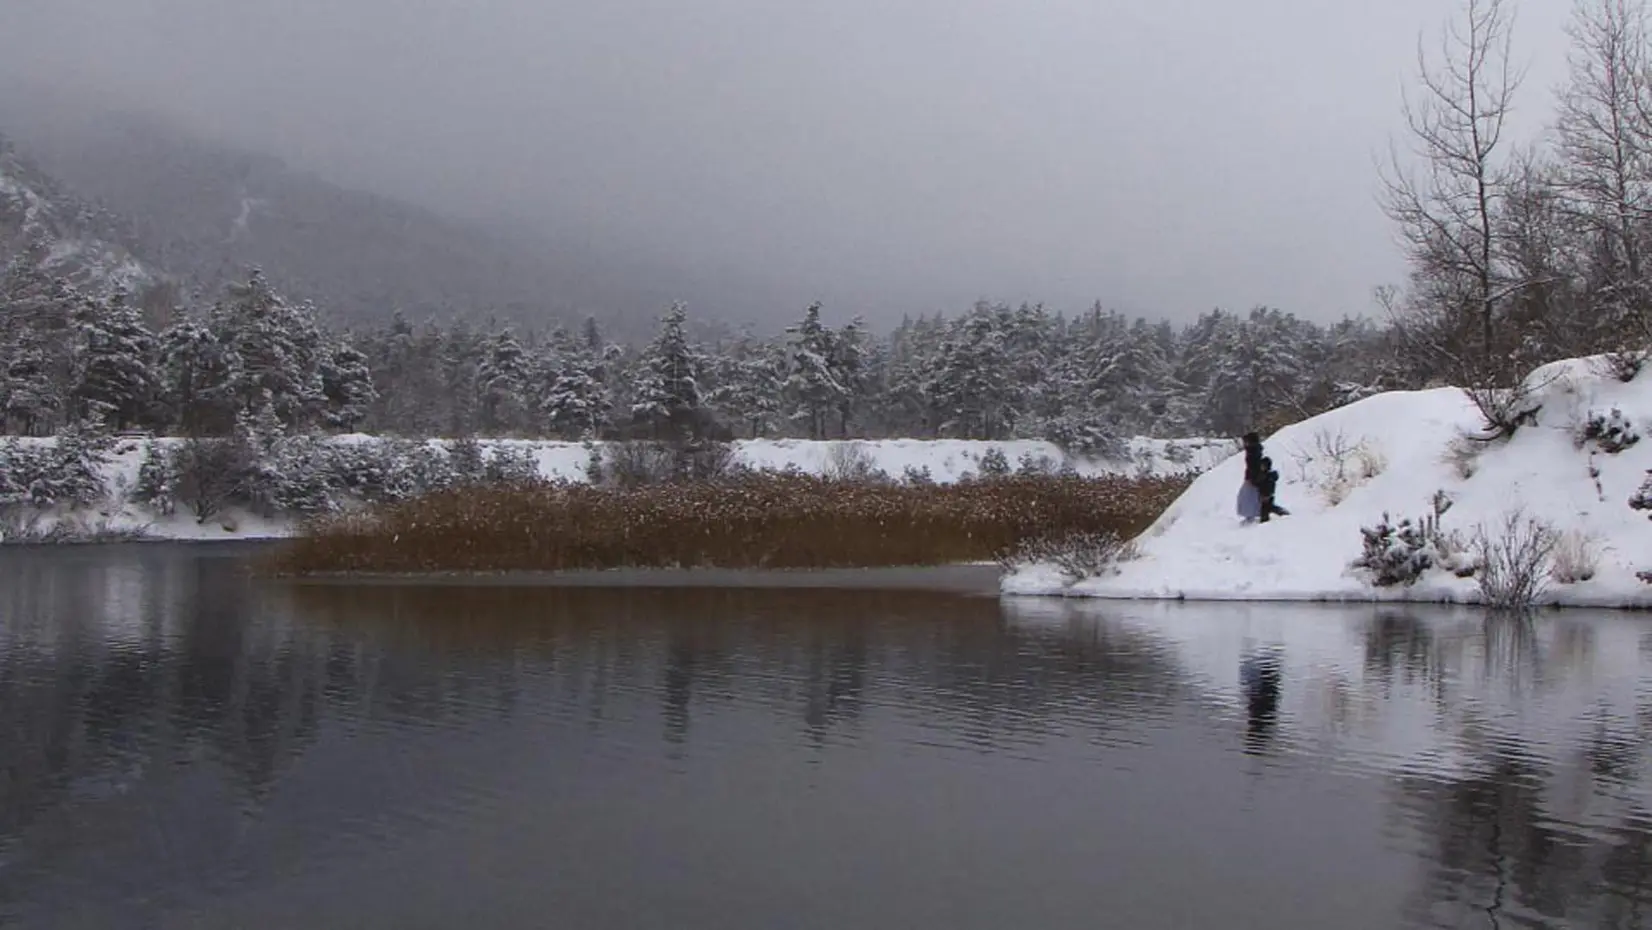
1604, 131
1447, 207
1450, 209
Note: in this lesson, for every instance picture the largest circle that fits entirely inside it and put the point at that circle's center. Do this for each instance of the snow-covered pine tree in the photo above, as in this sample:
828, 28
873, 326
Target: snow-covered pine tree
576, 405
811, 389
279, 346
117, 378
30, 403
461, 356
347, 382
969, 381
501, 385
667, 400
199, 378
848, 365
747, 387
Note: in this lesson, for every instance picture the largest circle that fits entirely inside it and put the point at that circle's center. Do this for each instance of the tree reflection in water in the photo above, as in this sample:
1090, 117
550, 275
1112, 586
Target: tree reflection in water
156, 688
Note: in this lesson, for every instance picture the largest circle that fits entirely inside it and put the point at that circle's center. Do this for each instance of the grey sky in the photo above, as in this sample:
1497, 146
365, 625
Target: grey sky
1163, 156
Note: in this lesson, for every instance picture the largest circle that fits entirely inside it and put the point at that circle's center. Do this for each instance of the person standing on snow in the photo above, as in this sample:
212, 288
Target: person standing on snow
1250, 491
1268, 486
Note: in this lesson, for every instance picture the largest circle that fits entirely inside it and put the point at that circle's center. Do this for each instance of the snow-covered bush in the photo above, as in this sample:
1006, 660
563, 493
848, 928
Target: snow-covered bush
1516, 561
156, 487
384, 470
849, 461
1336, 464
1642, 498
1463, 455
511, 465
1036, 464
1395, 554
643, 462
917, 475
1610, 432
20, 467
1087, 438
994, 463
1576, 558
1400, 553
1076, 556
68, 471
1623, 364
466, 463
207, 474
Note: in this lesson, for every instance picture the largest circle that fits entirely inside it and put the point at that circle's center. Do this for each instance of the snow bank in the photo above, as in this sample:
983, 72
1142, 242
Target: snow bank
946, 461
1394, 453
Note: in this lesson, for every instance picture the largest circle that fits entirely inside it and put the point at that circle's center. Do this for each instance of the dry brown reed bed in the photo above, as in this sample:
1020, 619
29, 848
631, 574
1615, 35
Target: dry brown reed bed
762, 521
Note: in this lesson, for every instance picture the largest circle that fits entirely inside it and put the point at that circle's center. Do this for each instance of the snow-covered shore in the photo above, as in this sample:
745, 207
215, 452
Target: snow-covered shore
1403, 454
117, 517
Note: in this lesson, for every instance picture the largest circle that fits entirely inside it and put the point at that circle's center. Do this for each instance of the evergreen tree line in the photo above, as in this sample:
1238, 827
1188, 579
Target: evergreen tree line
1518, 257
992, 372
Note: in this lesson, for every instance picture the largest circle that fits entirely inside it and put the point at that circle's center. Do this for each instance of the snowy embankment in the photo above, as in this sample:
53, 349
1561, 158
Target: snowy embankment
1404, 455
119, 515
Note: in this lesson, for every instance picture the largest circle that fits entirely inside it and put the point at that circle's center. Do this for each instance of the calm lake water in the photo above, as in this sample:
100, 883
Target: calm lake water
183, 746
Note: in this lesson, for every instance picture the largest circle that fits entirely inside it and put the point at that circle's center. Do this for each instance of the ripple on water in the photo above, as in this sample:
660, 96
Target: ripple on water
504, 757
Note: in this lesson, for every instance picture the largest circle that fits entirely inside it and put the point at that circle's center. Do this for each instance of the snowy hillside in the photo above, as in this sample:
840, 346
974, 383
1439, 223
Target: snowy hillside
70, 240
1403, 454
117, 512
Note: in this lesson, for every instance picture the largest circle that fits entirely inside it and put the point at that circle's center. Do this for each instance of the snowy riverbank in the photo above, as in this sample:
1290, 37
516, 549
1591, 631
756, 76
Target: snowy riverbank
119, 511
1403, 454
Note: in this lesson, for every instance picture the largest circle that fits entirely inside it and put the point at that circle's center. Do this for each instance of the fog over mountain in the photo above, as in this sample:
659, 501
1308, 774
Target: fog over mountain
749, 157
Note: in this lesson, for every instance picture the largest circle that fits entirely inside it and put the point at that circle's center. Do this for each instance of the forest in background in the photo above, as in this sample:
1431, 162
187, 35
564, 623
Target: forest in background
1518, 256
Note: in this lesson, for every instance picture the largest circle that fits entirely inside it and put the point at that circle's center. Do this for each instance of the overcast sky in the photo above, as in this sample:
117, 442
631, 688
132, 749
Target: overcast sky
1163, 156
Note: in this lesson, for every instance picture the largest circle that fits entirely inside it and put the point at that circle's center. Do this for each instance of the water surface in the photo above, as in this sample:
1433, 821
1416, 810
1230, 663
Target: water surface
184, 746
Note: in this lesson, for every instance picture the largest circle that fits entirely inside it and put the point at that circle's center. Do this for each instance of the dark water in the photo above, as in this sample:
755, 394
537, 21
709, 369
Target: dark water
183, 747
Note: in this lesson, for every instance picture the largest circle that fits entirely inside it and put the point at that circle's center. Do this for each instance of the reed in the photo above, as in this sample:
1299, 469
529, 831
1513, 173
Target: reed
755, 521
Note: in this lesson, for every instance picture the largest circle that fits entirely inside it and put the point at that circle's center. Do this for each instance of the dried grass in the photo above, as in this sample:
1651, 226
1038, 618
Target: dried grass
756, 521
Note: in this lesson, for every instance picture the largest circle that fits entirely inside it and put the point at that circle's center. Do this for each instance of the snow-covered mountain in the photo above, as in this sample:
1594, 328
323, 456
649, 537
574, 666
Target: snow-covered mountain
63, 236
206, 212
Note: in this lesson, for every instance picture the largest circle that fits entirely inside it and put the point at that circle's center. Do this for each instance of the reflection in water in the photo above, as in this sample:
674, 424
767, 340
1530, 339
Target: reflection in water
1259, 675
183, 746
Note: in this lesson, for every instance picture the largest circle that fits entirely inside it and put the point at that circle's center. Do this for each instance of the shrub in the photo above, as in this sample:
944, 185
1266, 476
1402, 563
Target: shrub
1336, 465
1034, 464
465, 462
511, 465
849, 461
917, 476
1623, 364
1504, 410
1076, 556
1400, 553
1463, 455
1395, 554
642, 462
1610, 432
994, 463
65, 471
1642, 498
1516, 563
1576, 558
156, 487
207, 474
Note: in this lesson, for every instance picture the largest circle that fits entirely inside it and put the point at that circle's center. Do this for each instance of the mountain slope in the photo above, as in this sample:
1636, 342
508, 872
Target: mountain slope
206, 212
63, 236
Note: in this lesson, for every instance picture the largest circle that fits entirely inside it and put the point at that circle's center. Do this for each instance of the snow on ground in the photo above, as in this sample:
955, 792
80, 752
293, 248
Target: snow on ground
946, 460
1393, 453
